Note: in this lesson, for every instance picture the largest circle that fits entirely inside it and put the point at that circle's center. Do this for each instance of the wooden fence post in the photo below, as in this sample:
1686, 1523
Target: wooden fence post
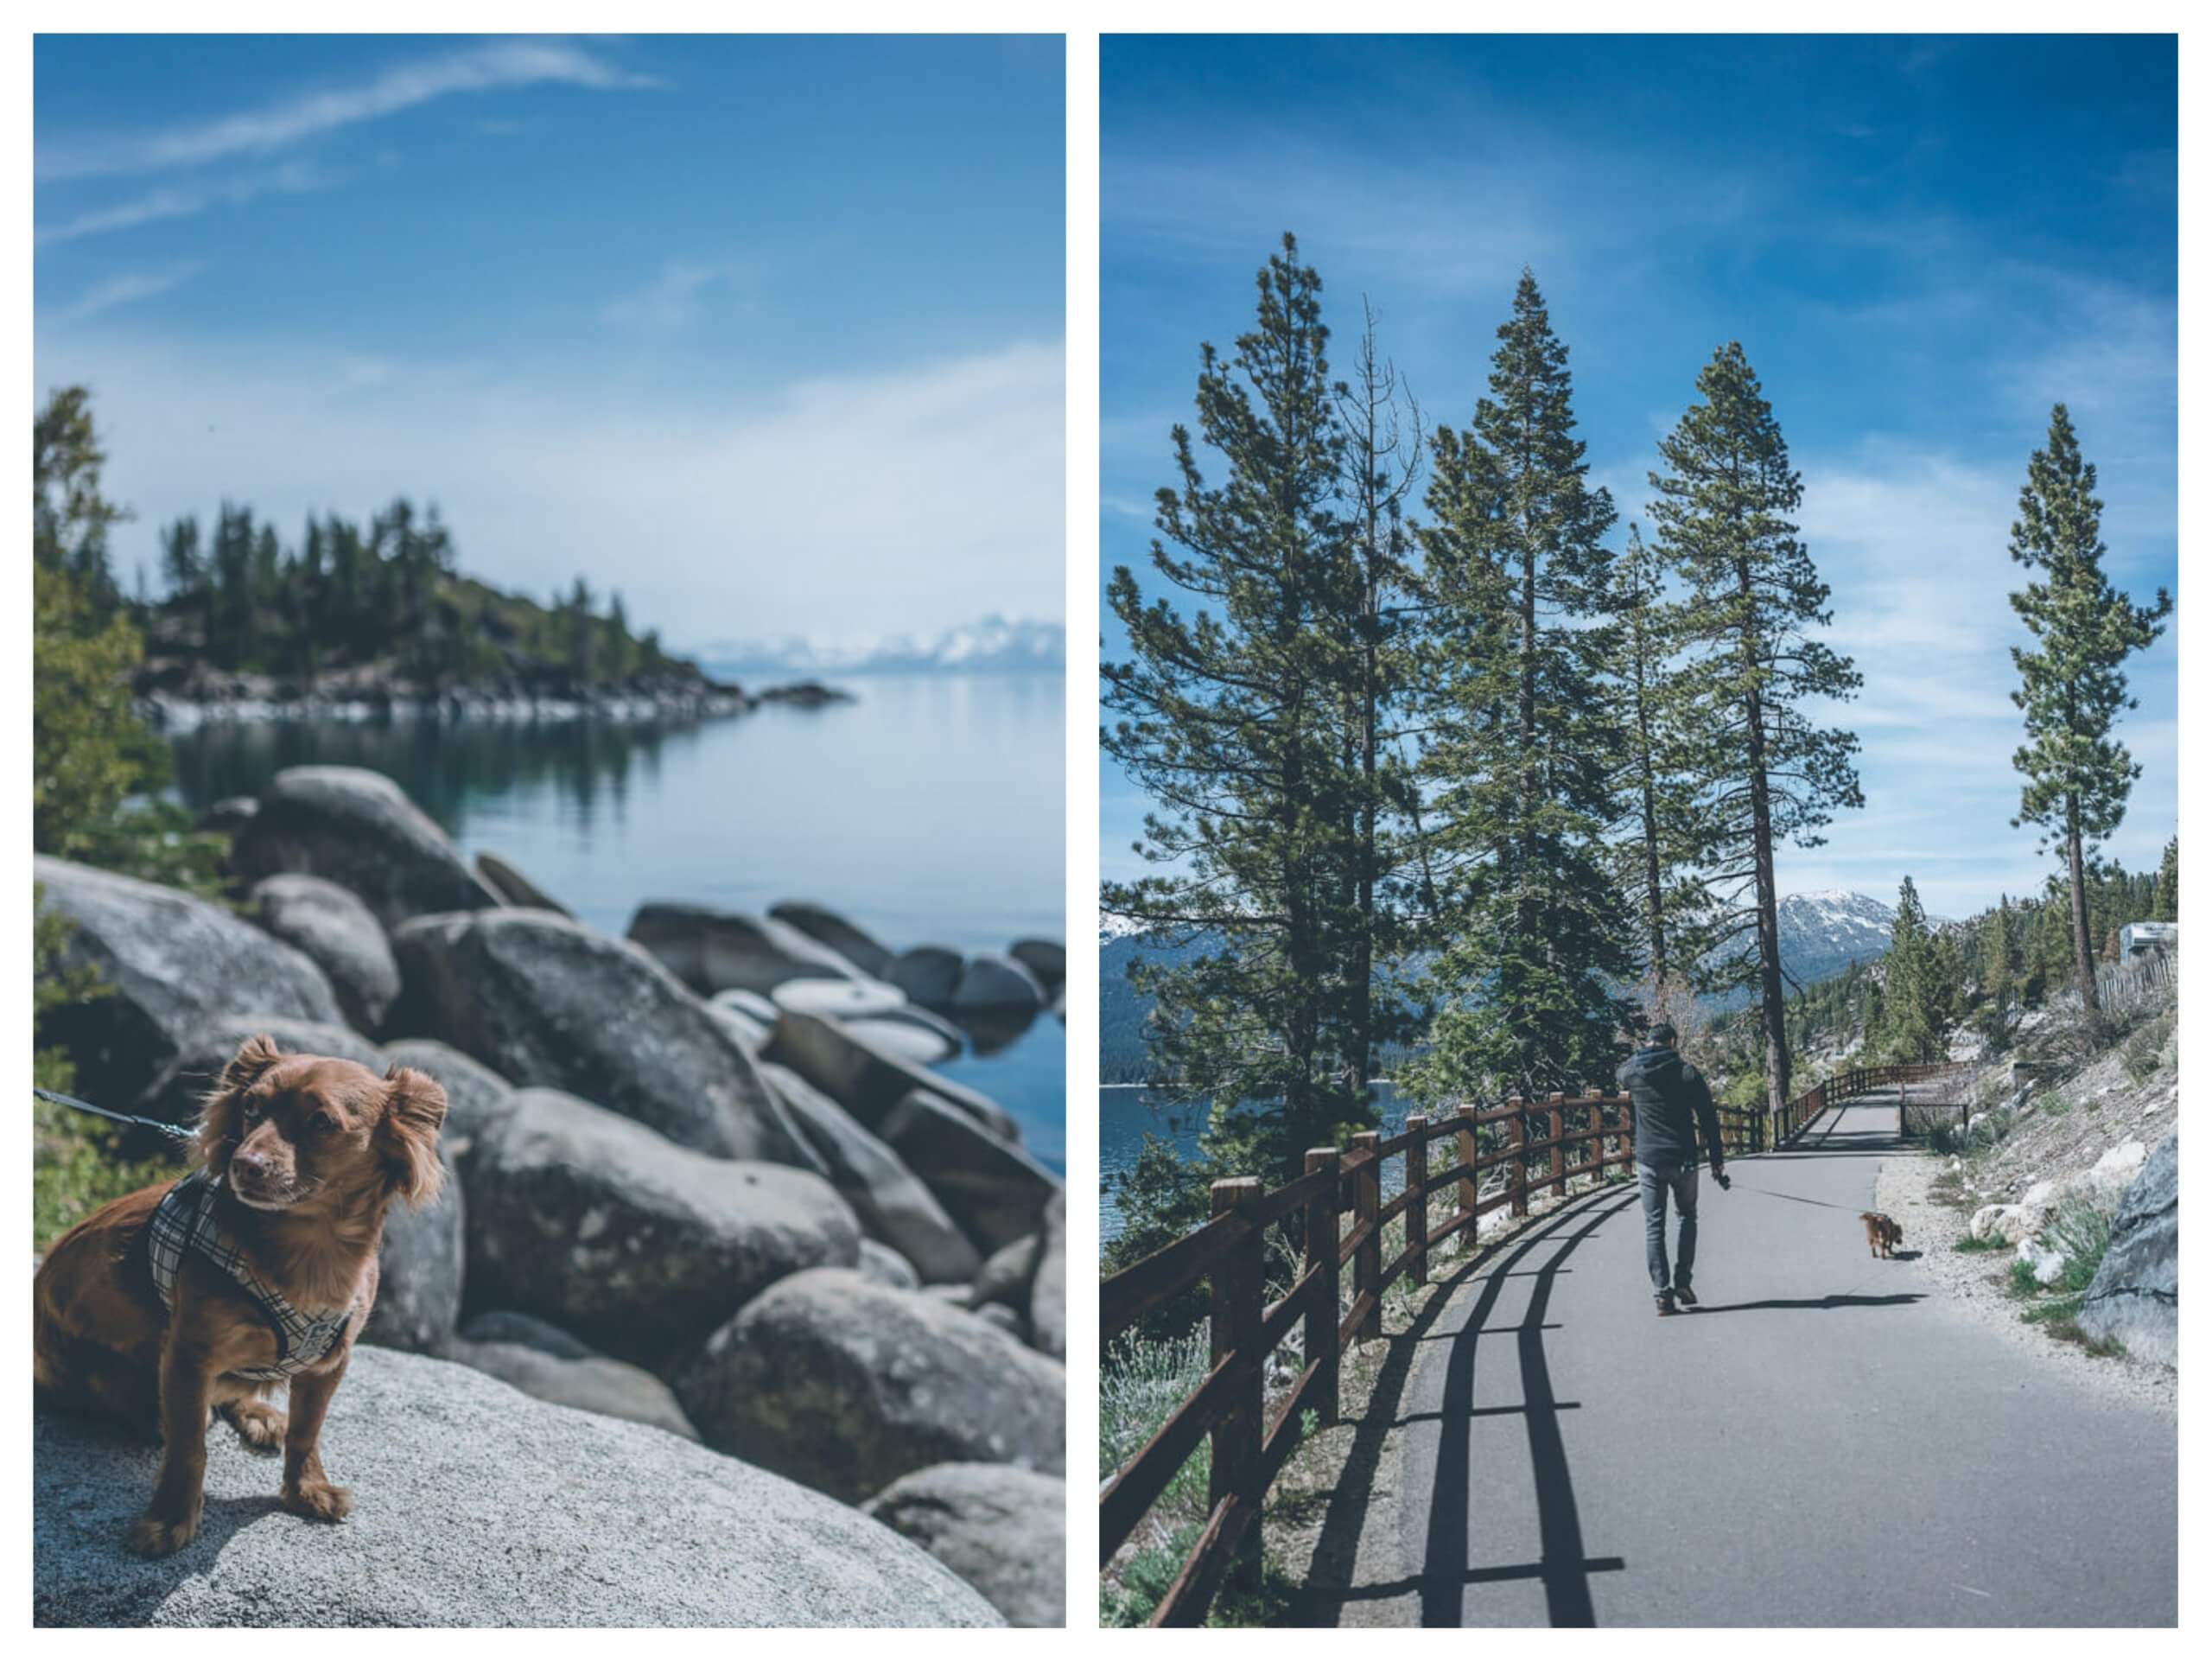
1237, 1289
1517, 1164
1417, 1197
1322, 1242
1471, 1185
1558, 1099
1367, 1209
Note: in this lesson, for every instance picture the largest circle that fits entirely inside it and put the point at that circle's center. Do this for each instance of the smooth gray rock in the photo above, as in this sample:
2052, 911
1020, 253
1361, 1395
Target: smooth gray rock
999, 1529
888, 1268
840, 934
204, 1050
1047, 1308
2135, 1297
995, 985
638, 1246
741, 1022
228, 815
360, 830
332, 926
172, 963
476, 1097
913, 1034
1046, 959
846, 1386
474, 1505
894, 1206
992, 1190
1005, 1277
928, 975
540, 1360
514, 1327
546, 1001
420, 1267
712, 950
868, 1081
1003, 1318
510, 885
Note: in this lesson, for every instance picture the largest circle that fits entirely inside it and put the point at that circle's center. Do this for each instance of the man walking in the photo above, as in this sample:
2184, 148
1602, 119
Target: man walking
1672, 1107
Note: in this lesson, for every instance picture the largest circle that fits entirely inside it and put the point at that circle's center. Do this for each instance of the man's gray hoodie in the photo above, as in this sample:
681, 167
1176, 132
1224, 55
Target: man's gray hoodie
1671, 1098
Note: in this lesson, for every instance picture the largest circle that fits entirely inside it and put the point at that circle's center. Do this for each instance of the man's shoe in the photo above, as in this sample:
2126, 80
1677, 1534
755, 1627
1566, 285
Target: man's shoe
1685, 1297
1666, 1302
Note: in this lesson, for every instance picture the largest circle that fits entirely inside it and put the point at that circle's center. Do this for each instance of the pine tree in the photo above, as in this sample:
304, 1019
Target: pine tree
2071, 689
2165, 902
70, 519
1767, 774
1231, 721
1911, 996
1517, 577
1382, 452
1661, 851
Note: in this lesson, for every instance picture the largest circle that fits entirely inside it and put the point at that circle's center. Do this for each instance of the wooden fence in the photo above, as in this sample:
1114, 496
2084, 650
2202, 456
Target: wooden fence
1335, 1216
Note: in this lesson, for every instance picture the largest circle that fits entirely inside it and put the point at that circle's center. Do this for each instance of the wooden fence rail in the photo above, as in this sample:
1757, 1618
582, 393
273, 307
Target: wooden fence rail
1336, 1218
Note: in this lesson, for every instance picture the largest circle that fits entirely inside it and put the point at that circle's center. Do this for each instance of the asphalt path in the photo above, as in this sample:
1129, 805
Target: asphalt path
1825, 1441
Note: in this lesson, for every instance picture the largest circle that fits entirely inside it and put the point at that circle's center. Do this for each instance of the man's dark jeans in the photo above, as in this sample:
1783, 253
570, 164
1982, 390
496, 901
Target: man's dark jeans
1653, 1184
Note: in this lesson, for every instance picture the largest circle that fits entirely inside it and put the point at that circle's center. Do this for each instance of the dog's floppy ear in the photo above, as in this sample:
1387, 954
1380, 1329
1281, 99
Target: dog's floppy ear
415, 1107
218, 1109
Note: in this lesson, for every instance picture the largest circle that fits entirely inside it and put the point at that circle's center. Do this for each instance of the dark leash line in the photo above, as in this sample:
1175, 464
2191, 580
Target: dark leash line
177, 1131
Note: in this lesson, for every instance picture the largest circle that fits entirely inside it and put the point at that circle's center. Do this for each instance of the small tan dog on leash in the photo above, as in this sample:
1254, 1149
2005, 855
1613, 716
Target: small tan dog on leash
1883, 1233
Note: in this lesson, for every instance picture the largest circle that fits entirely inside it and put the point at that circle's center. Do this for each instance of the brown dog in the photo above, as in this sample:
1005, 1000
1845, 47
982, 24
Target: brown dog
256, 1269
1883, 1233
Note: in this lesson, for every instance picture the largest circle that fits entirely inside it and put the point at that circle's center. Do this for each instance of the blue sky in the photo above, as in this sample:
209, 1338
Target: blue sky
738, 326
1922, 243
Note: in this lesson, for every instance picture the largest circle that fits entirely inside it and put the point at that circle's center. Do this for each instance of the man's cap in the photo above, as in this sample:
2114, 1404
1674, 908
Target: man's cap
1663, 1034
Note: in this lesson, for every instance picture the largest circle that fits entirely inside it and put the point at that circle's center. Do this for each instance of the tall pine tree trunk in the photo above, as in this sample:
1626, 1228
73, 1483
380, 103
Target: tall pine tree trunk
1771, 1013
2084, 963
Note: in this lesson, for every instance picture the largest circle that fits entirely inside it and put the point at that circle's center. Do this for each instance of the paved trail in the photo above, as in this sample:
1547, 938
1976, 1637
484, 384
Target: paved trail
1823, 1441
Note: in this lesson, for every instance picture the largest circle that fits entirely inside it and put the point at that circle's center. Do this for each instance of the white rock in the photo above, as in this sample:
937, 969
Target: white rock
2039, 1195
2011, 1223
844, 999
2047, 1264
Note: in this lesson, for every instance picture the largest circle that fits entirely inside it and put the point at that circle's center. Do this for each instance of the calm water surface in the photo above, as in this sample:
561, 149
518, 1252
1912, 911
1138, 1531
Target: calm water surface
930, 810
1126, 1114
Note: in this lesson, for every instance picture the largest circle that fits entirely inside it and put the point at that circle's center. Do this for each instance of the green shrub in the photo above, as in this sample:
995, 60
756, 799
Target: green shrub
1141, 1382
2024, 1284
2080, 1233
1972, 1243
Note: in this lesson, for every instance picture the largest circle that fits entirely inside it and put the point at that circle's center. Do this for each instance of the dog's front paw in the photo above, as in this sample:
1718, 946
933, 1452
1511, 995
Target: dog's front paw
153, 1537
324, 1500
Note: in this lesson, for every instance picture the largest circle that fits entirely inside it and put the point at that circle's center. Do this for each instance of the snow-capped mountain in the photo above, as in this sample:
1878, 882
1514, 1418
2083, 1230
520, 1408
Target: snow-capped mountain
1826, 932
992, 646
1822, 934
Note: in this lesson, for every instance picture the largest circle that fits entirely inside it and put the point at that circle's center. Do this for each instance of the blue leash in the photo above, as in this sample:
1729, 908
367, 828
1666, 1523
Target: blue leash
177, 1131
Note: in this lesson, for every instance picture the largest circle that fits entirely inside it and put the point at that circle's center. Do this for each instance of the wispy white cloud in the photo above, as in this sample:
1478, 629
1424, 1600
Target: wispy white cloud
495, 67
123, 289
835, 506
672, 300
178, 202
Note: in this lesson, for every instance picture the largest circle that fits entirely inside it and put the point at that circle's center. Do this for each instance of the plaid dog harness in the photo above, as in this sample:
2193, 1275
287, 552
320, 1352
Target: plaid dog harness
185, 1222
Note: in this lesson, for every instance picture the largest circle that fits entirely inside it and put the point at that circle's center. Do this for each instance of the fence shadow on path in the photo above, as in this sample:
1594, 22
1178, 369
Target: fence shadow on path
1330, 1583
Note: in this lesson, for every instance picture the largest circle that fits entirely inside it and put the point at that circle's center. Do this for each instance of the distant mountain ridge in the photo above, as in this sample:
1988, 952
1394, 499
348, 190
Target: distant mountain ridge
1822, 933
990, 646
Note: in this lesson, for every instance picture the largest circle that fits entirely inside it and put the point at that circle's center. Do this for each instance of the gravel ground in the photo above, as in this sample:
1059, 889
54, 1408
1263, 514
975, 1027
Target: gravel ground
1975, 1284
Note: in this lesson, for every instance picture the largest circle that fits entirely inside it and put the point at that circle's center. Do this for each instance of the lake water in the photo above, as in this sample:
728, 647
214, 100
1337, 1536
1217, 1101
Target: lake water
1126, 1113
932, 809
